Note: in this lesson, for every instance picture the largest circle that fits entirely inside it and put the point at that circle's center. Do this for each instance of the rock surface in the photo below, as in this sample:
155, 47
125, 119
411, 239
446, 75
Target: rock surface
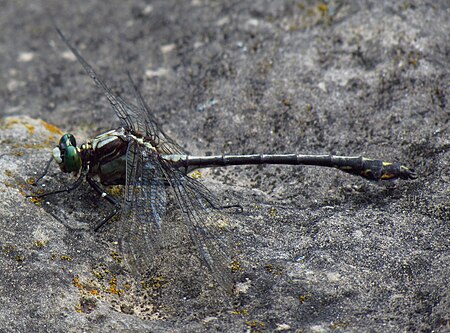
322, 251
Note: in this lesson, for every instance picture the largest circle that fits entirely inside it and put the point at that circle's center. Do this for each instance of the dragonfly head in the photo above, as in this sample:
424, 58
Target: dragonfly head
66, 154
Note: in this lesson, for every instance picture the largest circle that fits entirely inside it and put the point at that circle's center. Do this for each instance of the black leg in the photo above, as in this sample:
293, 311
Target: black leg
109, 198
70, 188
47, 166
238, 207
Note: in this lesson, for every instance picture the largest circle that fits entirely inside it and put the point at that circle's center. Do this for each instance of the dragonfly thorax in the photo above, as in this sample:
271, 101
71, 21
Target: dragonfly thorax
104, 155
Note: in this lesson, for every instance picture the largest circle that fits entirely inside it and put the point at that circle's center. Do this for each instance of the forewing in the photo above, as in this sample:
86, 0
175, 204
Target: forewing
161, 140
132, 117
118, 106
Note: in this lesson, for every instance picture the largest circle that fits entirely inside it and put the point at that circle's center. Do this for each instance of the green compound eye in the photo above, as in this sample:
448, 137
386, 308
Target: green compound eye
66, 141
72, 161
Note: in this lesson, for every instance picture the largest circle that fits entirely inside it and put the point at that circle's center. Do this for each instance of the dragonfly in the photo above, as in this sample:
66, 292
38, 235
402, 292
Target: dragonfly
140, 156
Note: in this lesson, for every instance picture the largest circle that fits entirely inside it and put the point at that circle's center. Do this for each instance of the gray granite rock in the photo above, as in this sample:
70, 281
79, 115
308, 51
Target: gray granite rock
321, 251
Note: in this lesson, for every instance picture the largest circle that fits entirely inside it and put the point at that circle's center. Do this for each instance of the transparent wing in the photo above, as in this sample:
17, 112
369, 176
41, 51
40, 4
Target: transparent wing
135, 118
206, 223
144, 207
161, 140
145, 193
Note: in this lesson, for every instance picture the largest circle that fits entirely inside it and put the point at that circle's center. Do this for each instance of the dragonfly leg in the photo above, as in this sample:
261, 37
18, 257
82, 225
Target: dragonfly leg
237, 206
47, 166
70, 188
97, 188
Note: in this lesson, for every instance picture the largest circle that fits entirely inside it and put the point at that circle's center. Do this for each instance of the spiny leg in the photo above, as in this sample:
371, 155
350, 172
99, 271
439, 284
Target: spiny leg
238, 207
69, 189
47, 166
108, 198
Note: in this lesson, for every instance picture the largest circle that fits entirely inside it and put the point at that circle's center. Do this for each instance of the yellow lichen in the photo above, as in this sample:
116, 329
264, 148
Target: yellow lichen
95, 292
76, 282
31, 181
113, 287
8, 173
8, 248
275, 270
196, 174
31, 129
115, 190
154, 283
116, 256
273, 212
255, 324
303, 298
40, 243
236, 266
243, 312
51, 128
323, 7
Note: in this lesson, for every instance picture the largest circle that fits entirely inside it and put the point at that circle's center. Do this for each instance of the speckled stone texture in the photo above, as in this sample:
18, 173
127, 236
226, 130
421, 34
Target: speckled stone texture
321, 251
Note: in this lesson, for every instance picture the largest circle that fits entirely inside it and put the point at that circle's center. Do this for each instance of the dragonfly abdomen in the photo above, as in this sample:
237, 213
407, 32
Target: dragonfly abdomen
365, 167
